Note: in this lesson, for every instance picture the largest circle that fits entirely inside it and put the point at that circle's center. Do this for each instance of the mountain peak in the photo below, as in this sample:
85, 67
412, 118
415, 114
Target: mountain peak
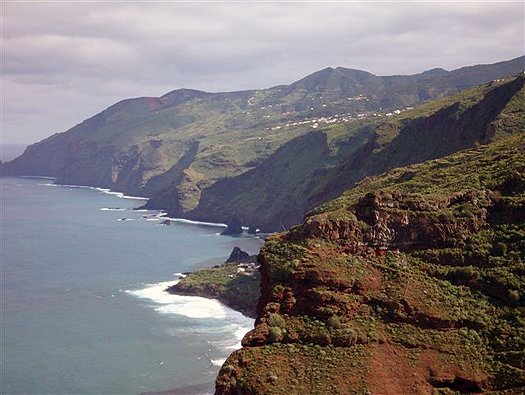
329, 78
180, 95
435, 72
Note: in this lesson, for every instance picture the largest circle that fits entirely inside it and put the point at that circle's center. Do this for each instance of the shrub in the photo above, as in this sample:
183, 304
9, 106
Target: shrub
276, 334
272, 378
499, 249
514, 296
276, 320
334, 322
464, 274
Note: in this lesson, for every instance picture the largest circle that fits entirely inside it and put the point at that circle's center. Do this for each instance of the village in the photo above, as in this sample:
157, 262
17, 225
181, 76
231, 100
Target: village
316, 122
337, 118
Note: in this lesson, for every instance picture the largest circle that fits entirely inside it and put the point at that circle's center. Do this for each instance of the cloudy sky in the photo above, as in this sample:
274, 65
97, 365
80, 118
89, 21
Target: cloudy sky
63, 62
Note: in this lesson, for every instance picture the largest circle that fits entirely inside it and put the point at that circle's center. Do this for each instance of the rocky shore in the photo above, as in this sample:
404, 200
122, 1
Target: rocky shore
236, 283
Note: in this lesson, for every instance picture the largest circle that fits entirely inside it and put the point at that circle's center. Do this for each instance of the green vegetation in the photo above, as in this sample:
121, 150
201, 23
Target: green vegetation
412, 281
292, 368
320, 165
419, 272
236, 285
435, 180
215, 155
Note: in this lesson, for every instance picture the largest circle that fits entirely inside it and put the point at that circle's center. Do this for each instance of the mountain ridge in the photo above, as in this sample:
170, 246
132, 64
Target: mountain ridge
175, 147
306, 171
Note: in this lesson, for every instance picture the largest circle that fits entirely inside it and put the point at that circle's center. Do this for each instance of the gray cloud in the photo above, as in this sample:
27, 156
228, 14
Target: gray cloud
62, 62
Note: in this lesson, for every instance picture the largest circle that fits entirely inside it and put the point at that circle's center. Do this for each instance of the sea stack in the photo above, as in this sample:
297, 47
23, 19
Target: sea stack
237, 255
234, 227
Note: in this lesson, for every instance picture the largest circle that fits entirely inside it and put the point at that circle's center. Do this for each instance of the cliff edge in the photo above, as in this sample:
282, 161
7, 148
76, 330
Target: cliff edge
410, 283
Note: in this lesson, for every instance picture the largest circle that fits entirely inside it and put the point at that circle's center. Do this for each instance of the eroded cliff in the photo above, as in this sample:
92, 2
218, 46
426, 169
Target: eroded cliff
411, 283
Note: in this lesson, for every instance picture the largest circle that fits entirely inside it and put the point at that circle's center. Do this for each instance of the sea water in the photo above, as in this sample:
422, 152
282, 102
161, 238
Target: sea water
83, 307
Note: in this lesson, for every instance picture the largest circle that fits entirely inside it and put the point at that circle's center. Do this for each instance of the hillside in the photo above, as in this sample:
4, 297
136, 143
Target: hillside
321, 164
412, 282
175, 148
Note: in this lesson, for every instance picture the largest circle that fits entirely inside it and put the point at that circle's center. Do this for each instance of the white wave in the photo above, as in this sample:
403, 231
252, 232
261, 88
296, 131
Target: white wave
112, 209
155, 292
125, 219
218, 362
188, 306
117, 194
189, 221
151, 219
107, 191
44, 177
239, 333
195, 307
238, 330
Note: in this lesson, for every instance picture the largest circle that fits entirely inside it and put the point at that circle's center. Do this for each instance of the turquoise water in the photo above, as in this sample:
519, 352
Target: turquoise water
82, 306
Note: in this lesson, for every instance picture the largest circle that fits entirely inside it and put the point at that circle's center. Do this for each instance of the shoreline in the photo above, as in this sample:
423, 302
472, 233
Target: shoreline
162, 212
206, 292
234, 283
122, 195
247, 312
107, 191
195, 389
198, 316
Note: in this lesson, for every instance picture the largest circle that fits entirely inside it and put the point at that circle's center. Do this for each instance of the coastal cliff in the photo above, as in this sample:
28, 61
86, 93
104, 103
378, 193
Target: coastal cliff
268, 156
412, 282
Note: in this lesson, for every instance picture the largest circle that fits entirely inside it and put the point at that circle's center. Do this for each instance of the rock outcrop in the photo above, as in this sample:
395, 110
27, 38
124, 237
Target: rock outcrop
237, 255
234, 228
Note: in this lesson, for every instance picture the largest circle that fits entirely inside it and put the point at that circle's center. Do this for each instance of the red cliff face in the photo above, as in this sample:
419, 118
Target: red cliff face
395, 221
396, 293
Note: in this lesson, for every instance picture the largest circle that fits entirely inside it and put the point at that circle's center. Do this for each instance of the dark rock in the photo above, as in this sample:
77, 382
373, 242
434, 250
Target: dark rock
234, 227
166, 222
252, 230
237, 255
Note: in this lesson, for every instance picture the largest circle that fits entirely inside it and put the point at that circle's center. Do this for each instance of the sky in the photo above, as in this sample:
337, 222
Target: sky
65, 61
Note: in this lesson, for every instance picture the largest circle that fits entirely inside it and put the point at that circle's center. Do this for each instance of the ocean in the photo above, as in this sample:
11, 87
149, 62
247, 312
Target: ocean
83, 307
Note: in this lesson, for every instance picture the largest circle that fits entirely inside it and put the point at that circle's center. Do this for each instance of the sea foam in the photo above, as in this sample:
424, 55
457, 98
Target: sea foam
189, 221
107, 191
44, 177
188, 306
218, 362
226, 320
